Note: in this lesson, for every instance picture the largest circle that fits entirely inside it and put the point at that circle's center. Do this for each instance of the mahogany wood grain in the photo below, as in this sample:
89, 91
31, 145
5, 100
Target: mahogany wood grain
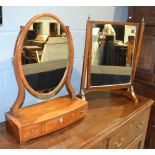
108, 114
136, 13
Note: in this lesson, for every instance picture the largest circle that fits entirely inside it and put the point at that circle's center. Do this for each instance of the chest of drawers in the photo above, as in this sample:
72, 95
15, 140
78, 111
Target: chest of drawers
112, 122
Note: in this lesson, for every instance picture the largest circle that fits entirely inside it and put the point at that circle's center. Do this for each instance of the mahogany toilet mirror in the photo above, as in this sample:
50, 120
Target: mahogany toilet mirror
110, 57
43, 61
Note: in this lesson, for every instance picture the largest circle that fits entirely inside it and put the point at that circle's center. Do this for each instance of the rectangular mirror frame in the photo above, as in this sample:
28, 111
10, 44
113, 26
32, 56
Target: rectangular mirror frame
86, 77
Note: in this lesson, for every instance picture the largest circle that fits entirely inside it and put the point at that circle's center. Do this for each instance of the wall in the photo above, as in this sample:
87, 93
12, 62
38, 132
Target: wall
75, 17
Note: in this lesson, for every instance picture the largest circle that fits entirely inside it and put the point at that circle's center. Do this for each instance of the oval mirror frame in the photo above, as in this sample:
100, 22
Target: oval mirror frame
19, 73
19, 45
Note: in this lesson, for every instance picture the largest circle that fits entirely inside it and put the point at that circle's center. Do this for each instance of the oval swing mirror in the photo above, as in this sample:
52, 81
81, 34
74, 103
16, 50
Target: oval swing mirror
43, 63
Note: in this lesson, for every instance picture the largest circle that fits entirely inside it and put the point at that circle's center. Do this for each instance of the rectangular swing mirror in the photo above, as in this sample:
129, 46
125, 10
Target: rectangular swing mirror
111, 56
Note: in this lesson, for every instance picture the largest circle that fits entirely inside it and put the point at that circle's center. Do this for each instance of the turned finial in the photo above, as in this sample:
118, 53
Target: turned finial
143, 20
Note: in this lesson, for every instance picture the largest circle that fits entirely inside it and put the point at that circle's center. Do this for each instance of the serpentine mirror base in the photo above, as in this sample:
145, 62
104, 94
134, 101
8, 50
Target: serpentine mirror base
45, 117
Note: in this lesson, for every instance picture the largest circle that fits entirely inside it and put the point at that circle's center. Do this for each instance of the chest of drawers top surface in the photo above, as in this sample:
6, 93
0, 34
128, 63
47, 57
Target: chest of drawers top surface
106, 112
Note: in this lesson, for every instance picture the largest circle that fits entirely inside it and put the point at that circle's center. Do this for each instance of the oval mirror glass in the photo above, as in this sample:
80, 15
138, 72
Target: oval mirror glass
45, 54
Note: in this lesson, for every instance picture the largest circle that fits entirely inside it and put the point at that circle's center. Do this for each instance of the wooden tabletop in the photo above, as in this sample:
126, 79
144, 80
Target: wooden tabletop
106, 112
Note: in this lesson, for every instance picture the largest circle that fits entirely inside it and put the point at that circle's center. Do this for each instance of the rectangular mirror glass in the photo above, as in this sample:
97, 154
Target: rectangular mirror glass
112, 53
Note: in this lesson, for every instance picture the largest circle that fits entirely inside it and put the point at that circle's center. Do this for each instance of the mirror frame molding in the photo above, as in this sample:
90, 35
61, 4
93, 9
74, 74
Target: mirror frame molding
117, 88
20, 77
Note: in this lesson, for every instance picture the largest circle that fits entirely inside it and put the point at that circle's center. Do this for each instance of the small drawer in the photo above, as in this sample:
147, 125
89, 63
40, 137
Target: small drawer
52, 125
59, 122
67, 119
129, 131
80, 113
32, 131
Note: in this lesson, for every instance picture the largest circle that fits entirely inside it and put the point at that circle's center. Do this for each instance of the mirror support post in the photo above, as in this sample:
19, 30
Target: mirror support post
21, 91
68, 78
131, 94
140, 37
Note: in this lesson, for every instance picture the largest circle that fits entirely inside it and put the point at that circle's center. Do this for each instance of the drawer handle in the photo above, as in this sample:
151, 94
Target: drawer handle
61, 120
81, 112
32, 131
140, 125
118, 145
142, 122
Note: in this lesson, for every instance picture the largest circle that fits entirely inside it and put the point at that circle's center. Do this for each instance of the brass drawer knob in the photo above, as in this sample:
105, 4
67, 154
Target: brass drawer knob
120, 143
61, 120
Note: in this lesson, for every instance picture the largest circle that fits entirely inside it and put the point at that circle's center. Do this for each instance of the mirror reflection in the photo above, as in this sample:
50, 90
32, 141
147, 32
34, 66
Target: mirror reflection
112, 53
45, 54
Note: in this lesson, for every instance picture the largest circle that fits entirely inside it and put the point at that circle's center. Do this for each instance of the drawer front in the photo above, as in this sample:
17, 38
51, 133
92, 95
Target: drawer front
99, 145
32, 131
59, 122
52, 125
80, 113
128, 132
138, 143
67, 119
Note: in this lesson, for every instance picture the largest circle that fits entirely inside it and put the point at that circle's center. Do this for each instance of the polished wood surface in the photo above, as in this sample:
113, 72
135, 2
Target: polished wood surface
113, 121
86, 73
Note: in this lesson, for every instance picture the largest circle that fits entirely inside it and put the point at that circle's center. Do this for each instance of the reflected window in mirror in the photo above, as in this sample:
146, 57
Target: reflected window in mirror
112, 53
45, 54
